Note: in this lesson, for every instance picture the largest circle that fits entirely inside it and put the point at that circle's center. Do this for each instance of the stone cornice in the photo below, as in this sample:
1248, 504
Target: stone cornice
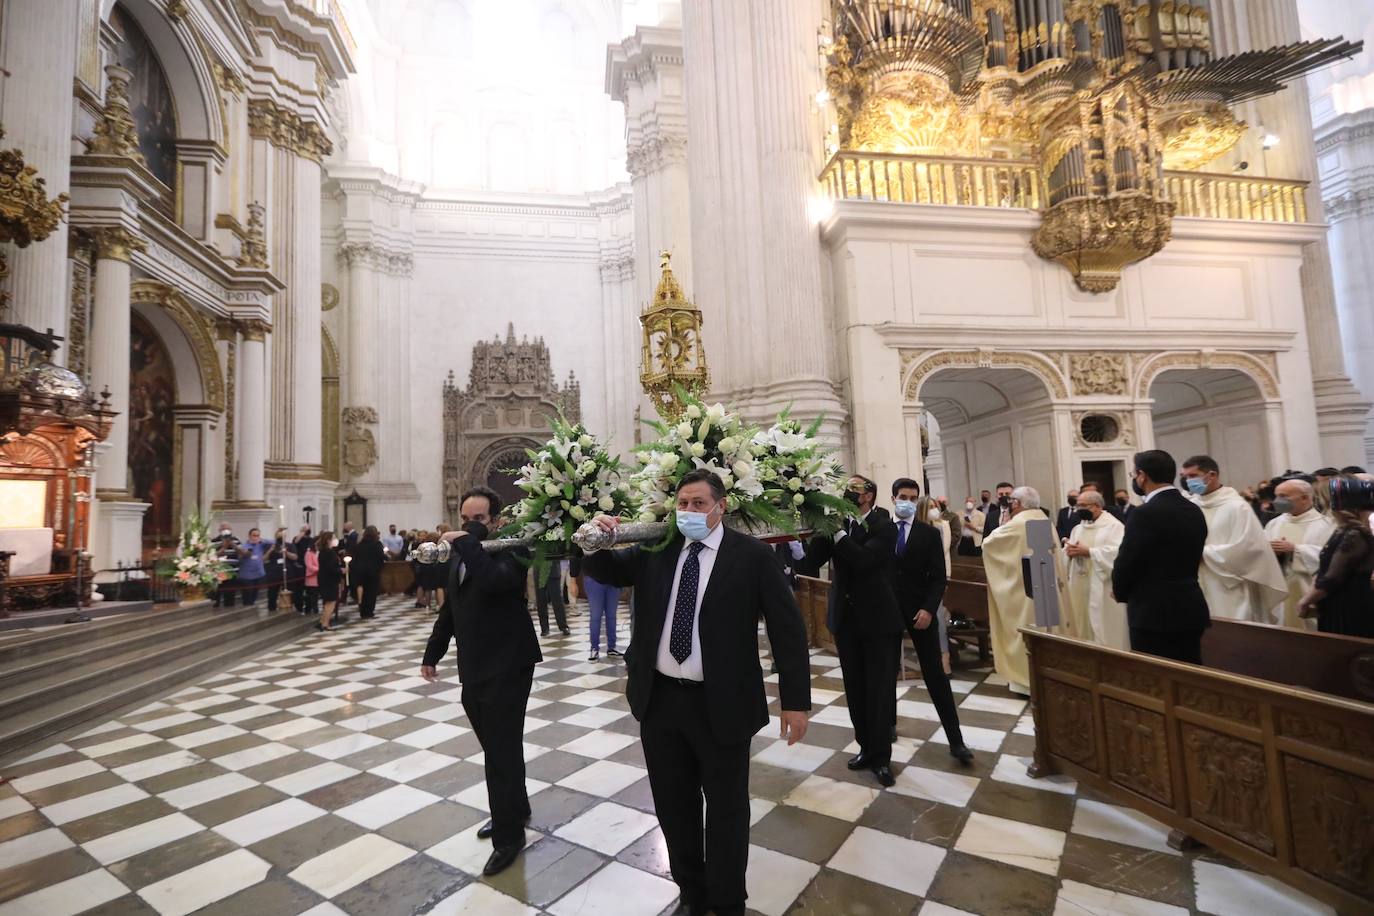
1348, 128
378, 257
638, 57
287, 130
306, 33
1350, 205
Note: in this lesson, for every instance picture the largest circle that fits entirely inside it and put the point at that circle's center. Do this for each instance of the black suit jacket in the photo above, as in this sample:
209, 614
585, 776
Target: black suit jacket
487, 613
746, 583
1066, 521
918, 575
860, 575
1155, 574
368, 558
994, 514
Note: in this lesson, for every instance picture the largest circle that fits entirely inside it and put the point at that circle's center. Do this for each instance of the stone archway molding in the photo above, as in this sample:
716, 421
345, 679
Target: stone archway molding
919, 365
196, 328
1260, 368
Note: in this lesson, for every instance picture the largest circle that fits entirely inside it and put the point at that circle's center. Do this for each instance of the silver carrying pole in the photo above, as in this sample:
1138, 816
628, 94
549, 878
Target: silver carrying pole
590, 538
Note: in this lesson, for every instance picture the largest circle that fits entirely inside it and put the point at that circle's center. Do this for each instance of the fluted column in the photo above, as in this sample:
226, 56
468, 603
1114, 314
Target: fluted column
1342, 411
366, 265
253, 412
109, 347
39, 59
304, 292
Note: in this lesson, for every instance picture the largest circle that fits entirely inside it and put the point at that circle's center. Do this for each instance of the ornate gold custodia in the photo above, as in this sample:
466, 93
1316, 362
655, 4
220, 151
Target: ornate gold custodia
950, 102
115, 131
672, 358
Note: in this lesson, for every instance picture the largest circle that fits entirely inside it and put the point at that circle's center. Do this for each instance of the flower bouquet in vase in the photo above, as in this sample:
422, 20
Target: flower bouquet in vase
196, 568
567, 482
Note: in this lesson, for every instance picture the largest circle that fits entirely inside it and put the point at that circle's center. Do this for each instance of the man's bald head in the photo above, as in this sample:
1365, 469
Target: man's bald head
1298, 492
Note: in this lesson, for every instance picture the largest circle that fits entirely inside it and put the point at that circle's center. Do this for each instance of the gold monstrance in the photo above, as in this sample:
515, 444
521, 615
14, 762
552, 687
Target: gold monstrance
673, 357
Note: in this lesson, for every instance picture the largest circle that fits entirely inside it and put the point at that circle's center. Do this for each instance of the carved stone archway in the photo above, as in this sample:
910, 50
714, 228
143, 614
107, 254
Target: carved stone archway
196, 329
1259, 367
506, 407
918, 365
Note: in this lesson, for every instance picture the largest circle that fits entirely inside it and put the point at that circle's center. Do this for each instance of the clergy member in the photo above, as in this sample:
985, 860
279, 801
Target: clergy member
1239, 575
1297, 537
1008, 605
1091, 550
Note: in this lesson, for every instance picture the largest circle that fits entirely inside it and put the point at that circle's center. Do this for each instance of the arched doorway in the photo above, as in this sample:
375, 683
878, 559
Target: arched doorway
991, 425
498, 467
1217, 412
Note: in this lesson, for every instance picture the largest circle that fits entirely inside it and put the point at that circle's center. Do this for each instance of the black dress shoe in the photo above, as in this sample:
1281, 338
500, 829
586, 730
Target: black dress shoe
884, 774
502, 857
858, 762
484, 832
961, 754
684, 908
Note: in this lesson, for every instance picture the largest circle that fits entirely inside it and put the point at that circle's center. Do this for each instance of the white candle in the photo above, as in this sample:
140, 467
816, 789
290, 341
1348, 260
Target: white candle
281, 516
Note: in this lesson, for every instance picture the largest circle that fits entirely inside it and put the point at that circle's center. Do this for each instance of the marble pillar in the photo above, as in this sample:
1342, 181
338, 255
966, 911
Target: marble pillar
117, 524
362, 367
304, 306
252, 412
1342, 411
39, 58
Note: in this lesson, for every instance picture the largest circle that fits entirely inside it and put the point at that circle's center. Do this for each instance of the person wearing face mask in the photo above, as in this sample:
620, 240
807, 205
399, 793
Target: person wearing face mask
867, 624
971, 534
484, 608
1091, 550
1157, 565
696, 687
1121, 505
1341, 597
1067, 518
1297, 536
1240, 575
999, 513
329, 576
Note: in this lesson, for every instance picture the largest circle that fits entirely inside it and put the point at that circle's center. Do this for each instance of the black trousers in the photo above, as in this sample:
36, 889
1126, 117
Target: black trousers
869, 665
370, 583
551, 591
496, 710
927, 645
1179, 645
686, 766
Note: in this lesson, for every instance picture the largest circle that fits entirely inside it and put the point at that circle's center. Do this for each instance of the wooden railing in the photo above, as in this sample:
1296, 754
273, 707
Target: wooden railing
1018, 184
1213, 196
1009, 183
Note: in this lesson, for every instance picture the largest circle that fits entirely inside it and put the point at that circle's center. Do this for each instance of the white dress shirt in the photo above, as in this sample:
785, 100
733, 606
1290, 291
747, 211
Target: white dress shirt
706, 559
1151, 495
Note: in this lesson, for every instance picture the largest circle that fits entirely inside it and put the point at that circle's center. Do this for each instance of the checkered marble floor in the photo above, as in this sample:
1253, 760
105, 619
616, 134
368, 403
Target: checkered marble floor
325, 777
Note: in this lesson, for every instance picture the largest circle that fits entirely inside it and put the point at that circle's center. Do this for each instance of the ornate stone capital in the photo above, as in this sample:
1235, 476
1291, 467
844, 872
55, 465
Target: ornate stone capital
115, 243
226, 329
287, 130
255, 329
115, 131
363, 254
253, 245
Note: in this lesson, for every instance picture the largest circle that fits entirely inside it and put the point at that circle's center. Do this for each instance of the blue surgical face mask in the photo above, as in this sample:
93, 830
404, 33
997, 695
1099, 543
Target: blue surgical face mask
904, 508
693, 525
1196, 485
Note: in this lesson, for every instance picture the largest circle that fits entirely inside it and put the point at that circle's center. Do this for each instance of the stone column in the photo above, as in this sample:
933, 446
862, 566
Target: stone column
117, 529
1342, 412
645, 73
39, 57
252, 412
303, 303
362, 369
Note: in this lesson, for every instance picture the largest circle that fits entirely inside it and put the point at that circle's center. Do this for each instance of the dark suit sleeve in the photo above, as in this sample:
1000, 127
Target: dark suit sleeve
786, 637
618, 567
498, 571
818, 551
872, 551
935, 561
439, 637
1130, 556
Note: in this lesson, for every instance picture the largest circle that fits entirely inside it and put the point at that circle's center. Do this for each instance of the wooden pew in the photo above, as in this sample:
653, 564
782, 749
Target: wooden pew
966, 593
1278, 776
812, 597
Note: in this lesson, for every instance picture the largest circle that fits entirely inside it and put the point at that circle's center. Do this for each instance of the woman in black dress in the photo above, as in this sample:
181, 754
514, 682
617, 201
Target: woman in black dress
1342, 598
330, 576
365, 570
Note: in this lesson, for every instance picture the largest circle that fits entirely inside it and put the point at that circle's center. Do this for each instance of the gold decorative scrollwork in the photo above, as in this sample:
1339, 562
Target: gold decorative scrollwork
197, 328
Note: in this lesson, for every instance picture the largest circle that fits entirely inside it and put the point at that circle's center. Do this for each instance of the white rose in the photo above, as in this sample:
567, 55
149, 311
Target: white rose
798, 499
565, 504
794, 484
605, 504
684, 430
715, 411
584, 441
727, 479
698, 449
646, 517
667, 461
742, 468
578, 513
552, 489
646, 486
728, 444
693, 412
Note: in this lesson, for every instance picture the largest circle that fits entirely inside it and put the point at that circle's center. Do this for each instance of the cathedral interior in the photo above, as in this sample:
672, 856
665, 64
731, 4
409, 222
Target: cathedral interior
285, 263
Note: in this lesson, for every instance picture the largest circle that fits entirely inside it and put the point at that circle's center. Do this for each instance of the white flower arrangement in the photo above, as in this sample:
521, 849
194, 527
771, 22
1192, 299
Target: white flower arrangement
197, 563
567, 482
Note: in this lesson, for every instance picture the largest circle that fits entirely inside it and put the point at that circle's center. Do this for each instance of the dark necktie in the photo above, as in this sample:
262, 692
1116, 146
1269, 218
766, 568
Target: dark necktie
901, 539
684, 610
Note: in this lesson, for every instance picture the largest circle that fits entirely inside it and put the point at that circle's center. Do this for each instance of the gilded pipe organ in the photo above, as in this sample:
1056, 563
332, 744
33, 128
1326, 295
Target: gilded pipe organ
1099, 96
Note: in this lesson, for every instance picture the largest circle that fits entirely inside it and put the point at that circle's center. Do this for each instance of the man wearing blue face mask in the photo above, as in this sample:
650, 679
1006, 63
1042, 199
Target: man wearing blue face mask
695, 685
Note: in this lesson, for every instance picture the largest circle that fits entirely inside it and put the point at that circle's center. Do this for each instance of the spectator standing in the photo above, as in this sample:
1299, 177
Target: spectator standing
330, 576
252, 568
365, 570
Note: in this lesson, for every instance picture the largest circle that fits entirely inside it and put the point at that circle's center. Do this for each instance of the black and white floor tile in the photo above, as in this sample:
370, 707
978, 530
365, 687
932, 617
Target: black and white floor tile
326, 777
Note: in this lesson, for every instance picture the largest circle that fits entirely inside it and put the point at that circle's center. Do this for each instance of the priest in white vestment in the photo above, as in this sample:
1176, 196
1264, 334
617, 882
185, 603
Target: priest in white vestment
1008, 606
1240, 575
1091, 551
1297, 537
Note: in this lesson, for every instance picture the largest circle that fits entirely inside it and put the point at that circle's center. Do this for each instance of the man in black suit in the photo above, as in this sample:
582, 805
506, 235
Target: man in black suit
918, 581
863, 616
695, 685
1121, 506
999, 512
484, 608
1067, 519
1155, 574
